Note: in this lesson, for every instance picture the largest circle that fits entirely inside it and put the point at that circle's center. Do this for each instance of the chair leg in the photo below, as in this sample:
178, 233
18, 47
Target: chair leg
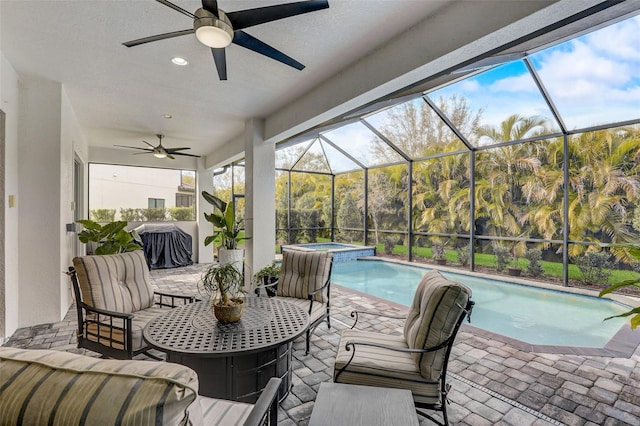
308, 342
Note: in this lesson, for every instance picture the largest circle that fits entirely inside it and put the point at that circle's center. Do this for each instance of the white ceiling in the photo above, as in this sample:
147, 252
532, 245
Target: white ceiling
355, 52
120, 94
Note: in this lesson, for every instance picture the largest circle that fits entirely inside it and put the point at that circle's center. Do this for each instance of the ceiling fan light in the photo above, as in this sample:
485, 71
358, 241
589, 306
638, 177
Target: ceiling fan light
160, 155
211, 31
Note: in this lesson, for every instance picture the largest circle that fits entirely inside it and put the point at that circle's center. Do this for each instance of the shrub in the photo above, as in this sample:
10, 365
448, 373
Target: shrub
438, 250
464, 254
103, 215
595, 267
154, 214
181, 213
130, 215
389, 244
502, 256
535, 267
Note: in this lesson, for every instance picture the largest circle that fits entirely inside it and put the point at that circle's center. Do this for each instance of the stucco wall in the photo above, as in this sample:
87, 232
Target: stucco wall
9, 104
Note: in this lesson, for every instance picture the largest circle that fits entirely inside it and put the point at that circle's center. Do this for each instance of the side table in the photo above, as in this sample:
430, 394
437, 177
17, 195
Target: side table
339, 404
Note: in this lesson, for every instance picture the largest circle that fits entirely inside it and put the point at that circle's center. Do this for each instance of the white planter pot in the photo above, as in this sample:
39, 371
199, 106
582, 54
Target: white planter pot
234, 257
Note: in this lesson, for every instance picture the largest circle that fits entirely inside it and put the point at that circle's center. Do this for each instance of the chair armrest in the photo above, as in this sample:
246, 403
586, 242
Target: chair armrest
265, 286
265, 410
173, 297
313, 293
354, 314
119, 315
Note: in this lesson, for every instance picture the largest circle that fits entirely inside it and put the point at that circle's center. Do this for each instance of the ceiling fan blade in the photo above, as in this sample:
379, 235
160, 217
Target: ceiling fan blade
185, 154
170, 156
138, 153
220, 58
250, 17
210, 6
149, 145
177, 8
135, 147
144, 40
172, 150
250, 42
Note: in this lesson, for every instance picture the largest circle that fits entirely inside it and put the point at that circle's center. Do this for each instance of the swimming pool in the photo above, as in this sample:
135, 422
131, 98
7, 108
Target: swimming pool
341, 252
534, 315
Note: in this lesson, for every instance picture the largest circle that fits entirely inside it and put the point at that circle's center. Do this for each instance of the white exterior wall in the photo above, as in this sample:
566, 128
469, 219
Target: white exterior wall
9, 104
115, 187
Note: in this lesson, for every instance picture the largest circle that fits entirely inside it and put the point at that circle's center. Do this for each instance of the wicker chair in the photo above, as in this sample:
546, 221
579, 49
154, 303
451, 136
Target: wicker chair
418, 359
114, 300
305, 281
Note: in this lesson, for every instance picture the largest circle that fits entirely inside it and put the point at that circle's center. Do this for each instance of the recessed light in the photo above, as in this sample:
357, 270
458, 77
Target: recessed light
168, 116
179, 61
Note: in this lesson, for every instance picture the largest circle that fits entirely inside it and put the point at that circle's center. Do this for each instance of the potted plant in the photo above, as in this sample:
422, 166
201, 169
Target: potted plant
110, 238
439, 253
268, 275
226, 230
514, 268
224, 284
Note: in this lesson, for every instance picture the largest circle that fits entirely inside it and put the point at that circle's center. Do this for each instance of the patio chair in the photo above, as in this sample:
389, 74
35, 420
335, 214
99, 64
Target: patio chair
305, 281
114, 302
418, 359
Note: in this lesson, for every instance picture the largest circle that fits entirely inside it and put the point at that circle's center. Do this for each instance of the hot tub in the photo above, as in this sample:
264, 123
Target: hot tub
341, 252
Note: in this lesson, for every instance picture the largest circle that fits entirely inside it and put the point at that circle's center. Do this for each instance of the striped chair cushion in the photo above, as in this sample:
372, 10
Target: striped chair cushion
303, 272
219, 412
116, 282
437, 305
43, 387
107, 335
318, 310
380, 367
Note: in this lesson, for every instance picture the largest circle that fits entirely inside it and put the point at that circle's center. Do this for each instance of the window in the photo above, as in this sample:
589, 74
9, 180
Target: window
154, 203
184, 200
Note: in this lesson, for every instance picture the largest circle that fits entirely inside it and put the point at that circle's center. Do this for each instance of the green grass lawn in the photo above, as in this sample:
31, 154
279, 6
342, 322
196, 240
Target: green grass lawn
551, 269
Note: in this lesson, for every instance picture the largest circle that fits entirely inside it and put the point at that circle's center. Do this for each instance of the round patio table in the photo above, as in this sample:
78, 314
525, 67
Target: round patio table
233, 361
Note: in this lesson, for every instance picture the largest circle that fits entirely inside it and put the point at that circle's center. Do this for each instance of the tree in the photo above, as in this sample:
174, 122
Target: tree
349, 216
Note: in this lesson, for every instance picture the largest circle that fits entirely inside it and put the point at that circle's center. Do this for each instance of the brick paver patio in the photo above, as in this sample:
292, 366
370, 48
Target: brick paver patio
493, 383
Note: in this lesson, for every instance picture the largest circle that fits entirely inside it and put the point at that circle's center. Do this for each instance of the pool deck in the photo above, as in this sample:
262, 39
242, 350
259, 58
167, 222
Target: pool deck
493, 382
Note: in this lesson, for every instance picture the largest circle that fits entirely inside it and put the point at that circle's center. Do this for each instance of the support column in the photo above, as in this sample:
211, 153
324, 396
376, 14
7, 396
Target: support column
205, 183
260, 206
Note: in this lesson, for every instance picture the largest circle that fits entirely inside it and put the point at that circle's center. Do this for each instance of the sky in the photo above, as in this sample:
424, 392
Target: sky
593, 79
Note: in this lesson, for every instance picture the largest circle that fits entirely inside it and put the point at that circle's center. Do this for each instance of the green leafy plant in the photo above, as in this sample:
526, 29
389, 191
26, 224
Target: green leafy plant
502, 256
110, 238
595, 266
534, 256
268, 275
181, 213
634, 251
464, 254
222, 283
226, 230
103, 215
437, 248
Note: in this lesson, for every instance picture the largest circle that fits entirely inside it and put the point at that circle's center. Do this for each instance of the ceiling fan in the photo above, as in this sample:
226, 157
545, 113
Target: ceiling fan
218, 29
160, 151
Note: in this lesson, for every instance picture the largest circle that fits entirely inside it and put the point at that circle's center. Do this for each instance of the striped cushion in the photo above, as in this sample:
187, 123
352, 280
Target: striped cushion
303, 272
107, 335
318, 310
116, 282
40, 387
436, 308
219, 412
380, 367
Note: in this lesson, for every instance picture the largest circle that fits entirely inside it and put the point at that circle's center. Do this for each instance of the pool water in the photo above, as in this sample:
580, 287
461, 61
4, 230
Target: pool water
533, 315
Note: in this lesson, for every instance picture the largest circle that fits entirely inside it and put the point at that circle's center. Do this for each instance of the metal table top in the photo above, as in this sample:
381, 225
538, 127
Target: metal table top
193, 329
